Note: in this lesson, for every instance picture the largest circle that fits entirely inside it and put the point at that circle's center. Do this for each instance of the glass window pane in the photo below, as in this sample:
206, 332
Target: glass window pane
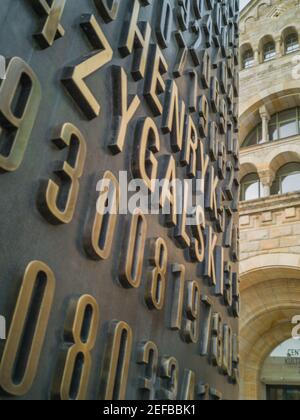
248, 59
291, 43
290, 183
275, 189
250, 187
288, 129
252, 191
259, 134
251, 139
269, 51
289, 169
273, 133
289, 114
273, 119
287, 179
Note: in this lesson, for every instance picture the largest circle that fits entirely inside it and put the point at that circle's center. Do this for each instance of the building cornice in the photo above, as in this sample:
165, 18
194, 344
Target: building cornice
272, 203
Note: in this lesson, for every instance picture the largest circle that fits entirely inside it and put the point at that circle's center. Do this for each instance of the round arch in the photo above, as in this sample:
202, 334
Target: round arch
247, 168
276, 98
251, 387
284, 158
270, 294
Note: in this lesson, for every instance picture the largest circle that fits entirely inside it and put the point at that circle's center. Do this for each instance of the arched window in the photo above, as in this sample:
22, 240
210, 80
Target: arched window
281, 126
284, 124
255, 137
251, 188
269, 51
291, 43
248, 59
287, 179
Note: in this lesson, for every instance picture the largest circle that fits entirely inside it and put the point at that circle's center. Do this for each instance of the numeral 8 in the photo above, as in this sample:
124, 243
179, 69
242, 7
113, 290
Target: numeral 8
80, 329
156, 285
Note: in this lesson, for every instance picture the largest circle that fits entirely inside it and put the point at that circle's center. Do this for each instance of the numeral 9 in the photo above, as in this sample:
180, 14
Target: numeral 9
190, 331
20, 96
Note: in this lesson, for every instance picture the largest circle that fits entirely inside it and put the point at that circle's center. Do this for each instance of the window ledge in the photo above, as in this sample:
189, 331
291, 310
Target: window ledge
269, 144
273, 202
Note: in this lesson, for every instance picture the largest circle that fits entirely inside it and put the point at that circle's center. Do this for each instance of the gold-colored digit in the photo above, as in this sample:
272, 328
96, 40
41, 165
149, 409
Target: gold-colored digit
116, 362
100, 228
80, 334
235, 376
156, 282
54, 205
205, 327
188, 386
178, 272
190, 329
20, 96
22, 352
217, 341
169, 373
148, 356
52, 28
227, 351
131, 268
74, 77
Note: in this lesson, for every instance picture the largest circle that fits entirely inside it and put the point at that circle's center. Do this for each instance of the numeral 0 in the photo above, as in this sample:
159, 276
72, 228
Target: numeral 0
20, 96
23, 348
116, 362
131, 268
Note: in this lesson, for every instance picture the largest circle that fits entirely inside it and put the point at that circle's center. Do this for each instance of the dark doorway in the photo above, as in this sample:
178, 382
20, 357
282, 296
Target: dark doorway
283, 393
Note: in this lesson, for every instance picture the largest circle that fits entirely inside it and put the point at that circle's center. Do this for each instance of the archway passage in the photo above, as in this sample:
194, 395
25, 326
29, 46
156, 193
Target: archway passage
281, 372
270, 293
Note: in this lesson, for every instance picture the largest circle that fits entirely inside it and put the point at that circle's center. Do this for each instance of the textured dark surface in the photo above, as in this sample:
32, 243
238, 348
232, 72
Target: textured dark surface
27, 236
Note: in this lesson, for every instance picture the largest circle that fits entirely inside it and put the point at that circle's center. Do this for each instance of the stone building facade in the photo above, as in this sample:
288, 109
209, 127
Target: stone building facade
270, 182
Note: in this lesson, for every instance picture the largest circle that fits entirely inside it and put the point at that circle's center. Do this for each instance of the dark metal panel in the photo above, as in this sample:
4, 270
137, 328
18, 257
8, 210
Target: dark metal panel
27, 236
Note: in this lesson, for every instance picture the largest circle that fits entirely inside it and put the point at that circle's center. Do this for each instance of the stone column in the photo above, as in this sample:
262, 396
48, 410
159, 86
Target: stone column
265, 118
267, 178
278, 45
256, 57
